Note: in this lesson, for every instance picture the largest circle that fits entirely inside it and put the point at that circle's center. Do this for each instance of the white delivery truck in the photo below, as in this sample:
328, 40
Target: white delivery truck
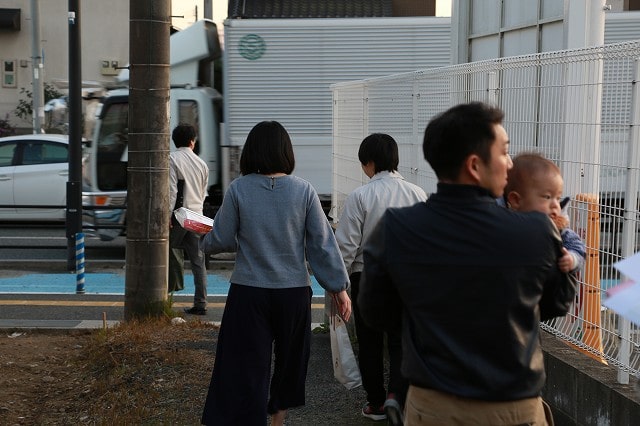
273, 69
193, 99
282, 69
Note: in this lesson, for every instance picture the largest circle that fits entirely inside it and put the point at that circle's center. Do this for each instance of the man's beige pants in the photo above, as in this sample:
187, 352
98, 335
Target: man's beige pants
429, 407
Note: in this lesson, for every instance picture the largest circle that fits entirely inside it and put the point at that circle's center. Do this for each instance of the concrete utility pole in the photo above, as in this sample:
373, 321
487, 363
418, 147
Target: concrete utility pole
148, 167
36, 64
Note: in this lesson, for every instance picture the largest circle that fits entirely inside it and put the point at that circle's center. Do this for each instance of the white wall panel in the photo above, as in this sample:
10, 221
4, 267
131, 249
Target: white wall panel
521, 42
551, 36
550, 9
485, 16
518, 13
484, 48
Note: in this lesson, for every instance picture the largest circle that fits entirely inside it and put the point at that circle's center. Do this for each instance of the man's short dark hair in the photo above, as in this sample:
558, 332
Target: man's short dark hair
183, 134
267, 150
458, 132
380, 148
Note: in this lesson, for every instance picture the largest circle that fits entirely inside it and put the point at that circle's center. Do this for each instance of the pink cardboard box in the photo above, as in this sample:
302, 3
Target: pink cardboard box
192, 221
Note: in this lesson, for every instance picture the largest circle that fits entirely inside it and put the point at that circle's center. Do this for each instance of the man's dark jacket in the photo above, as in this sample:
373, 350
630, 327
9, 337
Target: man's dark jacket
471, 281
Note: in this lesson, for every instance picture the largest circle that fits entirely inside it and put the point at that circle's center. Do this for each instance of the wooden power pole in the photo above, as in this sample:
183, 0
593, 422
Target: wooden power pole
148, 166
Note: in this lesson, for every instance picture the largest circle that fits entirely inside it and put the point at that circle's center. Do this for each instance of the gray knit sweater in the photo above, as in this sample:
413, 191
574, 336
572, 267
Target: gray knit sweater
269, 222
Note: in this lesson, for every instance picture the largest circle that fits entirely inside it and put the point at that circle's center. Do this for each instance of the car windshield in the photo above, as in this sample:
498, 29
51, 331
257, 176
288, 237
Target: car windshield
112, 142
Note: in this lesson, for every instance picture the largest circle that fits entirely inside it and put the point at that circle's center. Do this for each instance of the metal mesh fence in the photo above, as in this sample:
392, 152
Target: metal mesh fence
580, 108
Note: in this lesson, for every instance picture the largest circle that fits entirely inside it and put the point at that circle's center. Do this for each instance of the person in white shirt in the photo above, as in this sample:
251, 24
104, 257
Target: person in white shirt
190, 172
378, 155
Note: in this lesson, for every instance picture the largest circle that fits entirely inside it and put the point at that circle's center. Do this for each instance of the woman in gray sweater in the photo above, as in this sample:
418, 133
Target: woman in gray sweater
275, 224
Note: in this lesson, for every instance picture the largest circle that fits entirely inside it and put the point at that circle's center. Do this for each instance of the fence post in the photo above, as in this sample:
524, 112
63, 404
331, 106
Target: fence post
492, 87
588, 302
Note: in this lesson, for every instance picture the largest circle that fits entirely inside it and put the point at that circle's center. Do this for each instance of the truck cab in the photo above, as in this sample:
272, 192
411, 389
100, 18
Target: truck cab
193, 100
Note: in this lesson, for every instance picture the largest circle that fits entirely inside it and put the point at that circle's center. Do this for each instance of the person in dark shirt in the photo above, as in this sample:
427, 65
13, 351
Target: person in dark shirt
468, 280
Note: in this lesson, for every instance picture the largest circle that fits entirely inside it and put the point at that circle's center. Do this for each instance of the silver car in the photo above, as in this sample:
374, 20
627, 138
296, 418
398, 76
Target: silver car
34, 170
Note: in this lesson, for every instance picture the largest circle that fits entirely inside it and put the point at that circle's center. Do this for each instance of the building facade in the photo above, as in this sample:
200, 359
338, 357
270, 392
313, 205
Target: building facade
104, 43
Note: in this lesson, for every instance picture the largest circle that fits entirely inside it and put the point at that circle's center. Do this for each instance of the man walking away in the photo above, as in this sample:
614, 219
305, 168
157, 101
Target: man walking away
190, 173
469, 281
378, 155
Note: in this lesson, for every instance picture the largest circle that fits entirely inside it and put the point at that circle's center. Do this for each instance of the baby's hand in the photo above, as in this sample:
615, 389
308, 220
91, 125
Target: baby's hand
565, 262
561, 221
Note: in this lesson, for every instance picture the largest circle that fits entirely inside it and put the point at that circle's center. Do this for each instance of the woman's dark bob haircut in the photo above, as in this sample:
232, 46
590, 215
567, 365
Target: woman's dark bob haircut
267, 150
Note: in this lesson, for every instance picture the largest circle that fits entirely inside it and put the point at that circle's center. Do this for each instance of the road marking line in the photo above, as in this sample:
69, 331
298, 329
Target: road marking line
107, 303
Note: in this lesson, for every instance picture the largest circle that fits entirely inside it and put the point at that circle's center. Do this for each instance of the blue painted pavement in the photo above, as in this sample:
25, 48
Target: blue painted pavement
113, 283
108, 283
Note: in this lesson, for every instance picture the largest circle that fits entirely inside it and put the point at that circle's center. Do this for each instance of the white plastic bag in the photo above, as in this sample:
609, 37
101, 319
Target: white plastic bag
345, 366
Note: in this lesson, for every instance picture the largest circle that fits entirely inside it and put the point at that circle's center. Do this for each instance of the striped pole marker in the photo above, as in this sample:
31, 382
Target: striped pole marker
80, 263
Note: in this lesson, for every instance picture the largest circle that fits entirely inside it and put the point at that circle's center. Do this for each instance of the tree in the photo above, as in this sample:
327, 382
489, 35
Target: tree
24, 110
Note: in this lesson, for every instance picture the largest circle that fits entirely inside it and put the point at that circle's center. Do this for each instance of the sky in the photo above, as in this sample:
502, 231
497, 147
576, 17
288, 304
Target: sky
443, 7
187, 8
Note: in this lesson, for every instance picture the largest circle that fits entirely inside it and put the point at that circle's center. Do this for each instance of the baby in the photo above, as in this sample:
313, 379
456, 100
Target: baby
535, 184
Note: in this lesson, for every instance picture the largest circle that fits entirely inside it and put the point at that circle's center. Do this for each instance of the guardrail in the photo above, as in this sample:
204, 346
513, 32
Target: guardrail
75, 241
84, 207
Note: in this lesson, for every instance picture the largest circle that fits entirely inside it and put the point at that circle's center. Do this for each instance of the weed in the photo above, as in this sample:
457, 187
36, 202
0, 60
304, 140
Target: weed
142, 369
321, 329
6, 129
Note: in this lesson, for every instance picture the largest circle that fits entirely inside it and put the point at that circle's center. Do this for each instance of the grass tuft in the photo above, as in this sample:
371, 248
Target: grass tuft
140, 371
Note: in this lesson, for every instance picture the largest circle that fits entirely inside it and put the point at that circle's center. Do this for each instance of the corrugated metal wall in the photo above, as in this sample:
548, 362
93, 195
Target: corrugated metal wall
621, 26
288, 66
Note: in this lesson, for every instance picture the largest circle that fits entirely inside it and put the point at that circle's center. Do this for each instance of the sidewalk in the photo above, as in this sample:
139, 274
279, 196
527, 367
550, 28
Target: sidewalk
52, 304
76, 311
44, 299
327, 401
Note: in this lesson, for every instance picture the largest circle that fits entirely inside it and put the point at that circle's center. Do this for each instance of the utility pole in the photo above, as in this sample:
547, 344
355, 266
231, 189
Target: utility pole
36, 64
74, 186
148, 165
208, 9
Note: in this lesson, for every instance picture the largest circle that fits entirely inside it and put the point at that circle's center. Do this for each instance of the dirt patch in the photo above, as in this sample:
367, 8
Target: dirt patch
141, 374
132, 374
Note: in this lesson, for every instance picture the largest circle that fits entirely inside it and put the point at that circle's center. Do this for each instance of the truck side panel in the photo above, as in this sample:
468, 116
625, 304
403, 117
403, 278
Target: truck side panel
281, 69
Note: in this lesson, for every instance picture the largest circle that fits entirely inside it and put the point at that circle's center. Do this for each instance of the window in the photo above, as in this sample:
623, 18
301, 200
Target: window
32, 153
39, 152
9, 73
188, 113
111, 144
6, 154
9, 19
54, 153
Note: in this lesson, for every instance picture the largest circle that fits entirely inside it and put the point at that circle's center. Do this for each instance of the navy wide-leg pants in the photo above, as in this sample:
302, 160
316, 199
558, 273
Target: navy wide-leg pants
258, 323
